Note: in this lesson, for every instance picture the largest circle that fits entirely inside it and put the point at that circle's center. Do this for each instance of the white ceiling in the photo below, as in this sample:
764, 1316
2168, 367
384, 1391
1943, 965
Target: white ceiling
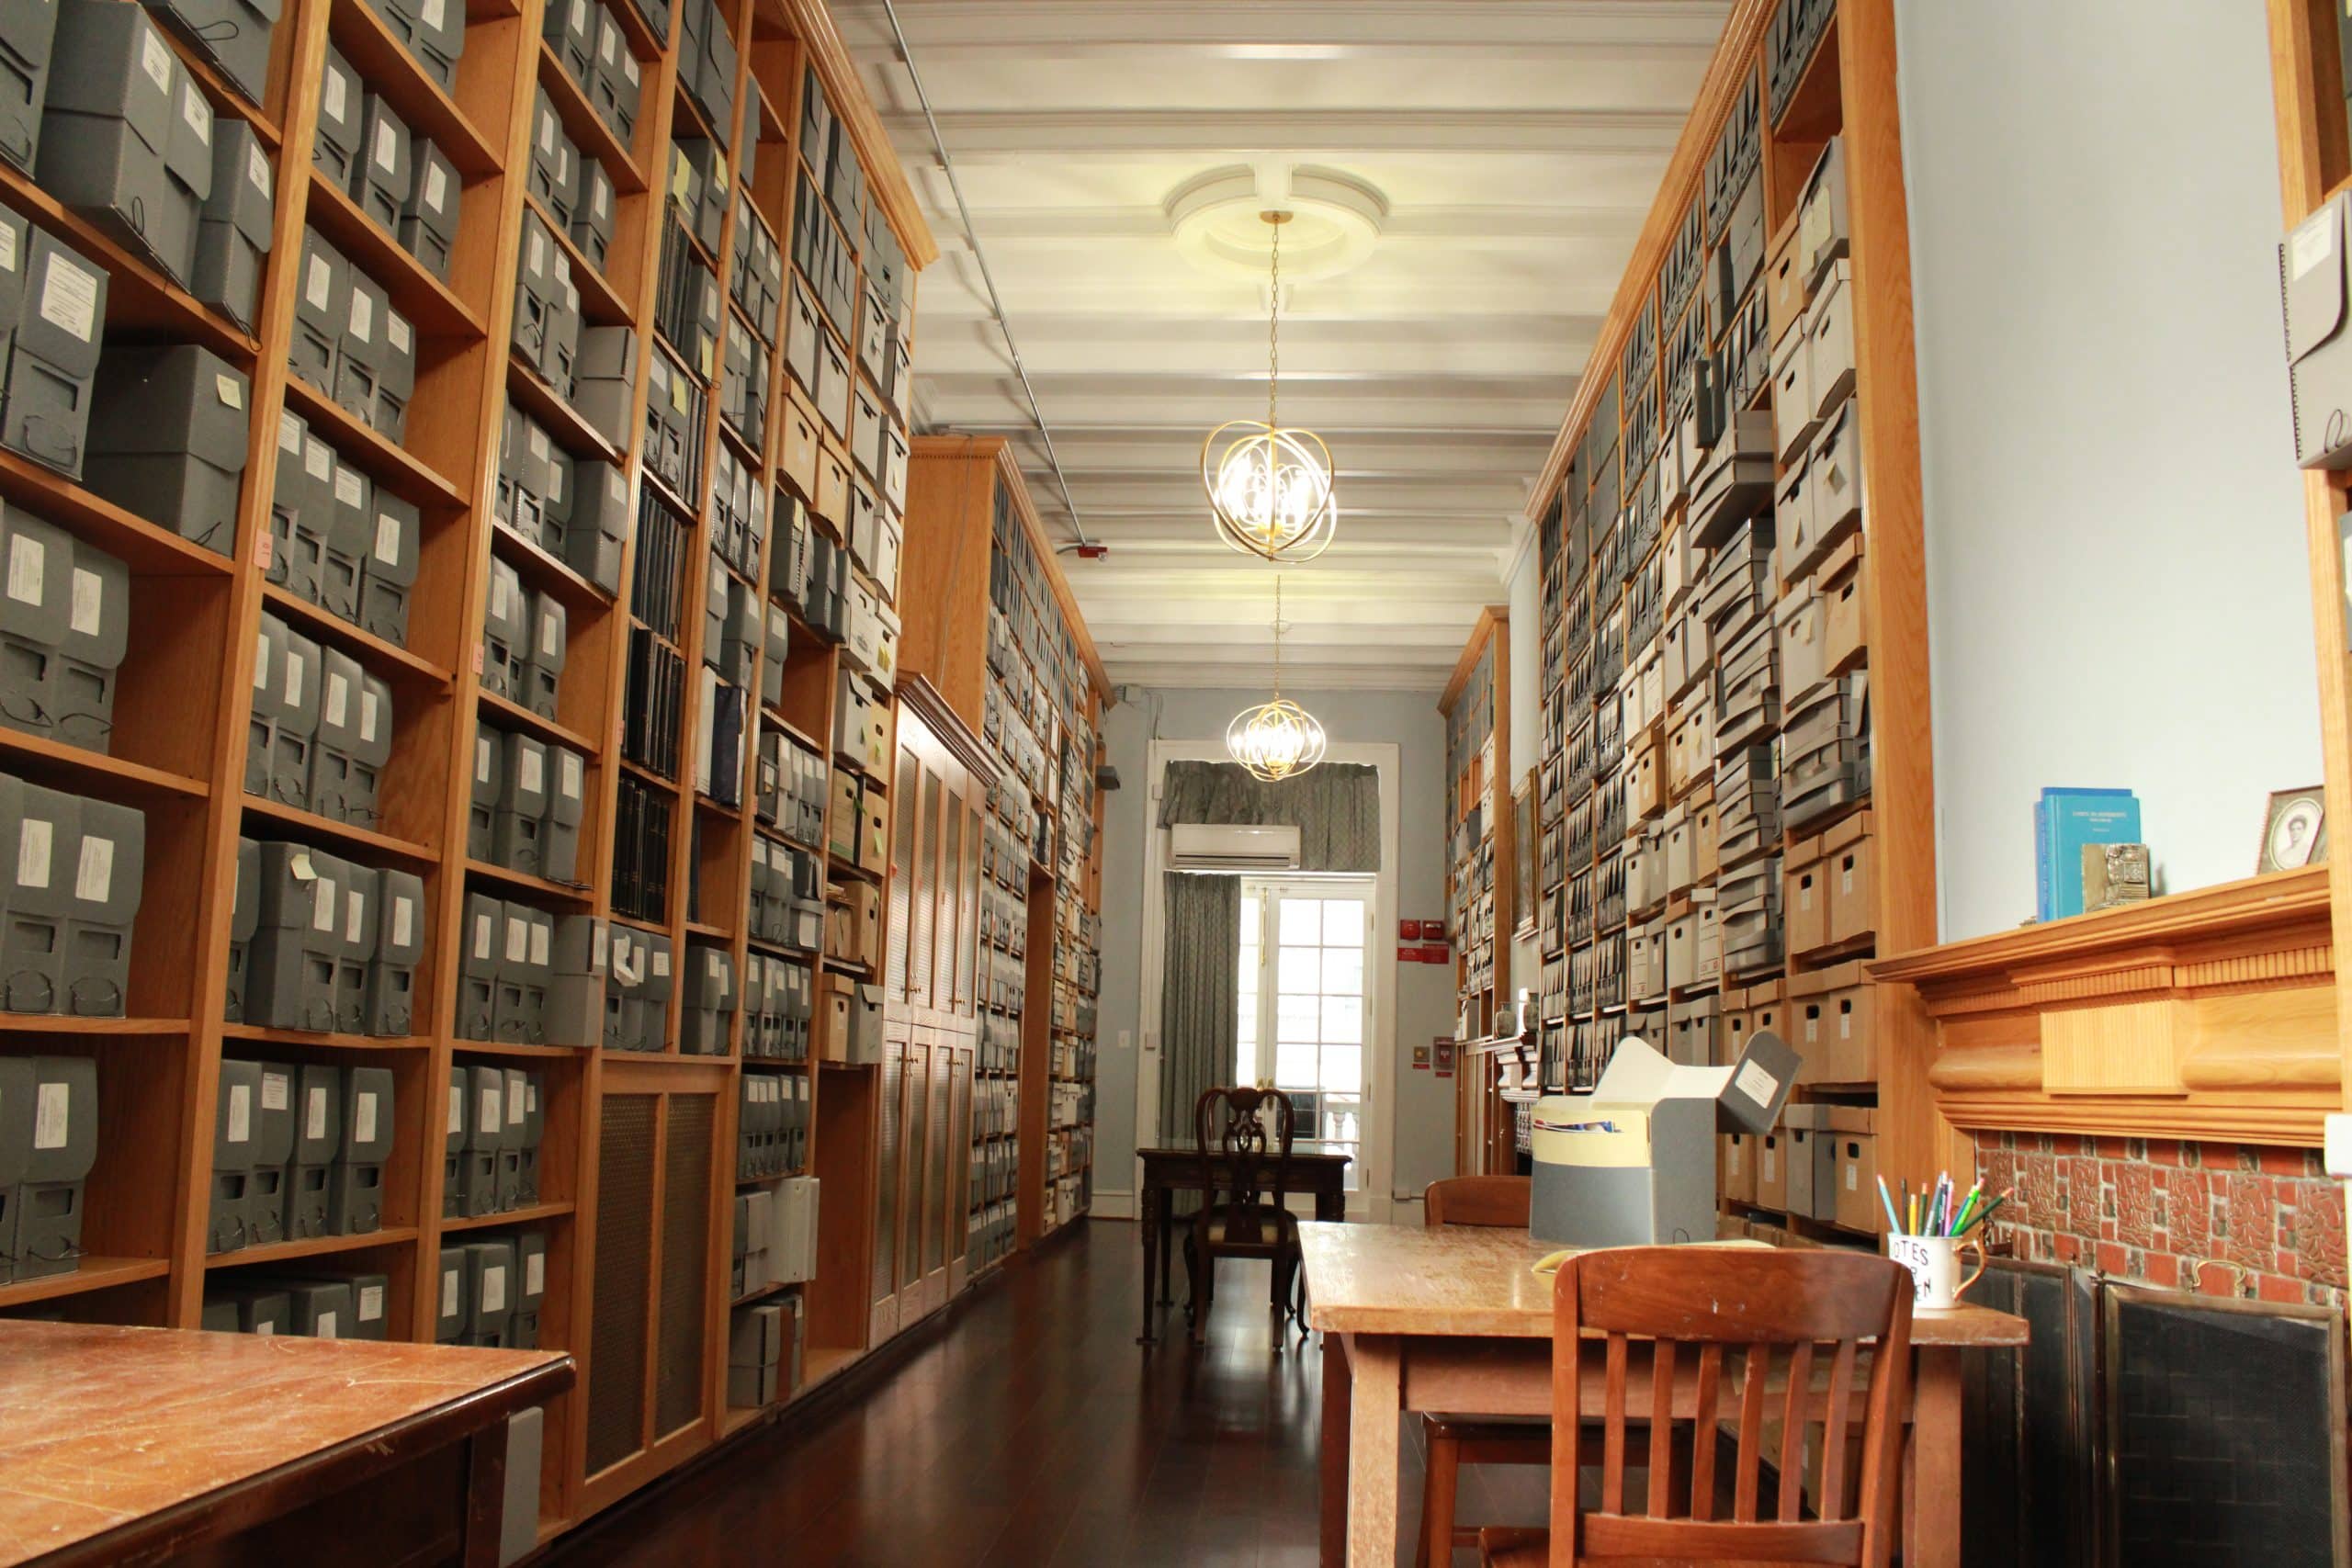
1518, 143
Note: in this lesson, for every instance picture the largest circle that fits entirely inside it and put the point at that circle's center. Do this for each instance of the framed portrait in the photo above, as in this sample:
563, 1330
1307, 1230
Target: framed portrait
2294, 831
1522, 825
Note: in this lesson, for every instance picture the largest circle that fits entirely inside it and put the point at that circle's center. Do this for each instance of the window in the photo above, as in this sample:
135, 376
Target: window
1302, 1004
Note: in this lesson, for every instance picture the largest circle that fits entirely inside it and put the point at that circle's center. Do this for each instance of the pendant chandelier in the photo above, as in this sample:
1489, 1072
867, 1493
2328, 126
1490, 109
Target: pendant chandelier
1277, 740
1268, 488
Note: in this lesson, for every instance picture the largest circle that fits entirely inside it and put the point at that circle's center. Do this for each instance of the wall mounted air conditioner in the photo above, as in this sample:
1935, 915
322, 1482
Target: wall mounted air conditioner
1199, 846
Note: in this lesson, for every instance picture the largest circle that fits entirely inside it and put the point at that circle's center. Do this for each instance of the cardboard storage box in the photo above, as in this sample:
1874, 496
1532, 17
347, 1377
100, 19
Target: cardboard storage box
1805, 902
1772, 1169
1849, 872
1739, 1166
1832, 1024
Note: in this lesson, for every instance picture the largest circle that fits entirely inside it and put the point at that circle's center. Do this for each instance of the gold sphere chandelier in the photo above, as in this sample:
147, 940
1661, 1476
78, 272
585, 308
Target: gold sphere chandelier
1270, 489
1277, 740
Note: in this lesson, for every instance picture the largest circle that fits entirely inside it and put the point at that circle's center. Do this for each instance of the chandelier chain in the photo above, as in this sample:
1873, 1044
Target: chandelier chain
1278, 631
1274, 330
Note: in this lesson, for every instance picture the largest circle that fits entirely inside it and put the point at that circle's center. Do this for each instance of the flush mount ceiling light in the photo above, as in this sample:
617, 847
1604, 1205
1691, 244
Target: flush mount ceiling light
1276, 739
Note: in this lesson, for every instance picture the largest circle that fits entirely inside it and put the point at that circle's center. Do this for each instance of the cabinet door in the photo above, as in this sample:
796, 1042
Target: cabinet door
890, 1144
968, 951
959, 1166
905, 855
914, 1138
950, 905
938, 1189
921, 788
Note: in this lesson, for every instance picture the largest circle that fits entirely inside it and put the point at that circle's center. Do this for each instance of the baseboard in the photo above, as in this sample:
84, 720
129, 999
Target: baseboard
1111, 1205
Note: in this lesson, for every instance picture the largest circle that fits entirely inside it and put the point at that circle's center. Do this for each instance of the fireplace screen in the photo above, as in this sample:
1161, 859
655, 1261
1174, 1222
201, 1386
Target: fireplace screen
2224, 1436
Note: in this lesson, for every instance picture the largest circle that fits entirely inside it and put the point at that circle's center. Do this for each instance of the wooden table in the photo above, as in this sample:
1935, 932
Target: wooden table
1452, 1318
139, 1445
1179, 1170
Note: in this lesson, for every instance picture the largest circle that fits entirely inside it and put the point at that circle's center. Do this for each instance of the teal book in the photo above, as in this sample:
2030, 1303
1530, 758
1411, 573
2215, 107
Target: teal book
2065, 820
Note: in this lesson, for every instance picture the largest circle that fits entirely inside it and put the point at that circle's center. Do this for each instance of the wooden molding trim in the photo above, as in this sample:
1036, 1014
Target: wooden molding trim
1735, 59
1493, 622
948, 726
813, 23
2208, 1015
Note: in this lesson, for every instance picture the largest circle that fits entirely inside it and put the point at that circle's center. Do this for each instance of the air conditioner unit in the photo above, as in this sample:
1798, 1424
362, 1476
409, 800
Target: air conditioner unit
1203, 846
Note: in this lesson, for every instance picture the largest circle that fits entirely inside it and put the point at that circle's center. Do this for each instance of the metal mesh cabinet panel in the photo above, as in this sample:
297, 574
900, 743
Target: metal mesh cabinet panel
624, 1241
678, 1385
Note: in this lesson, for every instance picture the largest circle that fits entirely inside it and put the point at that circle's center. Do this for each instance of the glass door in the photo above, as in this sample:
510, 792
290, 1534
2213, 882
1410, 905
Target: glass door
1304, 1005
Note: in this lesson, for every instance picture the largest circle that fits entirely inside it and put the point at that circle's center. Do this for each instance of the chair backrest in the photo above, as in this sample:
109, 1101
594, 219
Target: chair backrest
1248, 1172
1501, 1201
1713, 1316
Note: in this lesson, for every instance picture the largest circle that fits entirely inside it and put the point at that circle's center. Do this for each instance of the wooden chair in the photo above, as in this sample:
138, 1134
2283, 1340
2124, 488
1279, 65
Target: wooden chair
1452, 1441
1734, 1314
1243, 1213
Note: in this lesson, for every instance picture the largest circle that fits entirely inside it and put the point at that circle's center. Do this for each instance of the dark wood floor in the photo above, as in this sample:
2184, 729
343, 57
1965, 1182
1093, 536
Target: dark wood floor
1035, 1433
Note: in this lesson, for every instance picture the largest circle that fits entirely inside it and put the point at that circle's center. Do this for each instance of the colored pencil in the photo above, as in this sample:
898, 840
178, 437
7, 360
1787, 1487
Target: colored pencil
1889, 1204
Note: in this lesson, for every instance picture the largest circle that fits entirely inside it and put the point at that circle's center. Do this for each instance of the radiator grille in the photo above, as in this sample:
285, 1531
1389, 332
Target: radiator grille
624, 1228
685, 1263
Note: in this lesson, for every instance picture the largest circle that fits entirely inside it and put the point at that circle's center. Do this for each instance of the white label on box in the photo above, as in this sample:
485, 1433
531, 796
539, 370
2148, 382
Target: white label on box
294, 672
319, 461
2314, 242
1853, 1175
1845, 878
7, 247
52, 1105
533, 774
28, 568
323, 1327
299, 867
550, 634
363, 315
314, 1113
514, 1083
555, 485
363, 1118
570, 787
369, 703
661, 962
481, 937
322, 905
194, 110
606, 34
331, 101
387, 146
494, 1288
94, 875
1812, 1027
535, 1274
431, 13
493, 1116
32, 852
600, 198
540, 443
546, 145
530, 1097
518, 942
436, 185
349, 489
628, 67
396, 333
155, 59
1845, 1024
387, 537
263, 1327
371, 1302
404, 920
1754, 1081
354, 915
290, 431
449, 1293
68, 298
257, 169
338, 700
273, 1090
539, 944
458, 1105
580, 17
240, 1114
318, 288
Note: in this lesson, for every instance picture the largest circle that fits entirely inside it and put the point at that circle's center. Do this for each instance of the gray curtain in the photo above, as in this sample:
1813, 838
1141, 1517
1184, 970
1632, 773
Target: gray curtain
1336, 808
1199, 998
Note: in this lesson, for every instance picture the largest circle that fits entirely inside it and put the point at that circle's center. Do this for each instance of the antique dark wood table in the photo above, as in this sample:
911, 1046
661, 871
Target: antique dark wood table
1165, 1171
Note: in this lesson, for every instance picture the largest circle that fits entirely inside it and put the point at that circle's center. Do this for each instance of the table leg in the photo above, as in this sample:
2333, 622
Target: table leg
1375, 1397
1333, 1457
1332, 1204
1150, 1227
1167, 1240
1931, 1461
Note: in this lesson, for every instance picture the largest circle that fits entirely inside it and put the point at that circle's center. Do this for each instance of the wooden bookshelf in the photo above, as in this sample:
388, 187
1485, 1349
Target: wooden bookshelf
1611, 542
178, 744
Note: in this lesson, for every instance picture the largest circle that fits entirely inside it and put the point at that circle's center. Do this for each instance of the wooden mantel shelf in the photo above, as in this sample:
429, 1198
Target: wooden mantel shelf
2207, 1015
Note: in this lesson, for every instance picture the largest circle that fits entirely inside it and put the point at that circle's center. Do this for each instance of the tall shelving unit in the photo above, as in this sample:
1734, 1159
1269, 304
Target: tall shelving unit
1009, 653
638, 1172
1633, 890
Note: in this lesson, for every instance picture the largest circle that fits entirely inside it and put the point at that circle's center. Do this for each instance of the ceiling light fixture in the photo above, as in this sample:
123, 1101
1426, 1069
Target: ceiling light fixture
1276, 739
1270, 489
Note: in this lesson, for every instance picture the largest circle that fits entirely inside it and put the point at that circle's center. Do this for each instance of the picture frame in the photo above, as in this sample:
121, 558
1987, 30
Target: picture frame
1522, 822
2294, 831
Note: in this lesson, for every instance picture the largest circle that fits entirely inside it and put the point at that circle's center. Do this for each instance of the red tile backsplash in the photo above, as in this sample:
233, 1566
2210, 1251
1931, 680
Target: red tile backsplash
2262, 1223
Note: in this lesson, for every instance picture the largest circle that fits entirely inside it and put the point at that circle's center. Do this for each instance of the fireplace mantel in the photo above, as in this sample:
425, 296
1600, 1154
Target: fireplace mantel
2205, 1015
